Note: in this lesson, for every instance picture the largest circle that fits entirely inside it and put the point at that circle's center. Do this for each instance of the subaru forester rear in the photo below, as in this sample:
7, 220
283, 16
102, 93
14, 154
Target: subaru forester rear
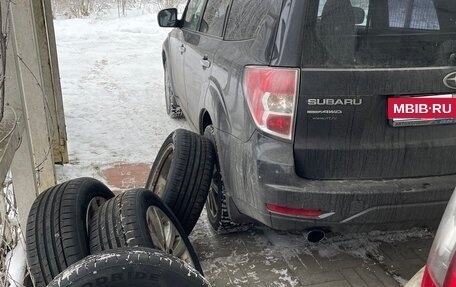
294, 95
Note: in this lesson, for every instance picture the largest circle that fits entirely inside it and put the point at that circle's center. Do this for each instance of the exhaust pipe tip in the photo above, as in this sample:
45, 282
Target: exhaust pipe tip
316, 235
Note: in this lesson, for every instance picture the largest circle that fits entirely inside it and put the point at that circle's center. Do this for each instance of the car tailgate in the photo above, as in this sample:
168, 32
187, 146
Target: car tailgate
342, 130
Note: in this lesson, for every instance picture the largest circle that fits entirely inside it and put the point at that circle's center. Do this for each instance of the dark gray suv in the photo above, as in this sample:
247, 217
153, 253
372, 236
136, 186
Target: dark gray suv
294, 95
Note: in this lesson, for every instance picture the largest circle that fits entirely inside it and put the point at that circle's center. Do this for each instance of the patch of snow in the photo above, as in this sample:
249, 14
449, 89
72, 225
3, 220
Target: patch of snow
285, 277
400, 280
112, 83
232, 260
16, 265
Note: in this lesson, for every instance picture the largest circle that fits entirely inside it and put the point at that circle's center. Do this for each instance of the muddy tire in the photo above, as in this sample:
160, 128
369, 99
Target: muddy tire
138, 218
181, 175
139, 267
216, 208
57, 234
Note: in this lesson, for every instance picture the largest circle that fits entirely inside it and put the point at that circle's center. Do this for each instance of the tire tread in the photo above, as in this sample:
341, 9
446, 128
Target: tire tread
189, 177
53, 228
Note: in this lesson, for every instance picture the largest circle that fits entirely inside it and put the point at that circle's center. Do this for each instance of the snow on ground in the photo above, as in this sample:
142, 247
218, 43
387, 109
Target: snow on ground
16, 264
112, 84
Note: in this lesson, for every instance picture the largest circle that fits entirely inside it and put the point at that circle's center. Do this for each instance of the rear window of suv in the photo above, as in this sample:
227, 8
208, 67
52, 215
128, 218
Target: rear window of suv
380, 33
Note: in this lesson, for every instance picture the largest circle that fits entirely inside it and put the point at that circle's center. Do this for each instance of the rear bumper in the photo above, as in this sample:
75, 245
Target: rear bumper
269, 178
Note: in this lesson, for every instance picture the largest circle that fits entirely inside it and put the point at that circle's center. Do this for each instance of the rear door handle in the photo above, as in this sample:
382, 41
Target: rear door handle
205, 63
182, 49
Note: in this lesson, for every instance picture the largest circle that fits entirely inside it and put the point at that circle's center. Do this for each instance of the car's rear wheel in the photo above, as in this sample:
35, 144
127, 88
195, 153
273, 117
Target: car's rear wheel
172, 108
216, 208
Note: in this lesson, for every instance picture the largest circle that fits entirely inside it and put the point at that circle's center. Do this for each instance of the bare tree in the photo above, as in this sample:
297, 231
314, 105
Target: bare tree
79, 8
164, 4
84, 8
121, 7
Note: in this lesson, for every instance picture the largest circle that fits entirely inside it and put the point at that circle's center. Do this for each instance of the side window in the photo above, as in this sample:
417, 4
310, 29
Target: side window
194, 13
214, 17
246, 18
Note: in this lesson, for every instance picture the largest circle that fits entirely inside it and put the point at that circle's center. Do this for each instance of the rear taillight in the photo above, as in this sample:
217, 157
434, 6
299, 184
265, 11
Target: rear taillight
441, 266
294, 211
271, 94
427, 279
450, 278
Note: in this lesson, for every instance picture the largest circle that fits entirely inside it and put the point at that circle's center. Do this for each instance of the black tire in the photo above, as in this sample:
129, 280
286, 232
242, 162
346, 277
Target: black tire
173, 110
181, 175
57, 226
138, 267
122, 222
216, 208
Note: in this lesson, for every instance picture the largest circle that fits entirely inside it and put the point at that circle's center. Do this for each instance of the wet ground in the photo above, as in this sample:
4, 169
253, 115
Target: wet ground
264, 257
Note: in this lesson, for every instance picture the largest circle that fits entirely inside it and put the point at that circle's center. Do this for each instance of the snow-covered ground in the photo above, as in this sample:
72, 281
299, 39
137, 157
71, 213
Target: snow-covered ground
112, 83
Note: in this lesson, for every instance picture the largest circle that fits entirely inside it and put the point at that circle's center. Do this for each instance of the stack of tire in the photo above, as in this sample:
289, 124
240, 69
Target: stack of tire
79, 234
